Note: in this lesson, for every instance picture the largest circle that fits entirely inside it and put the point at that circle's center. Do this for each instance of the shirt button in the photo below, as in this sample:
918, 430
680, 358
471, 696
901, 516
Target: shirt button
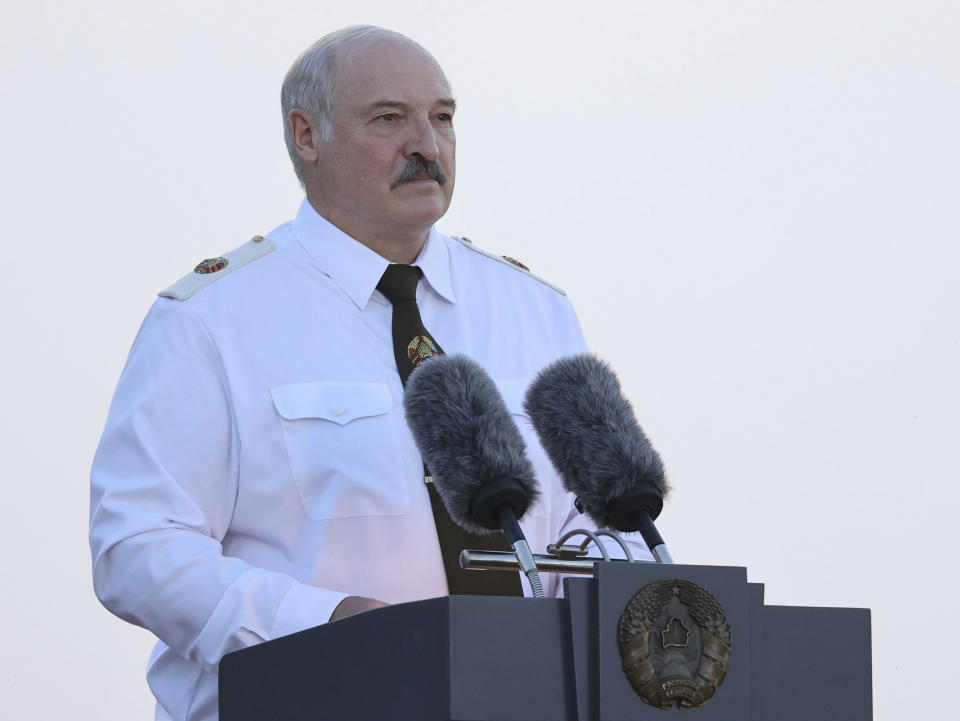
339, 411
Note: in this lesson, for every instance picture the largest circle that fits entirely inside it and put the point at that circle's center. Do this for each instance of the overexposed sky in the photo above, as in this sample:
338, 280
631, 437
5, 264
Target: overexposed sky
752, 204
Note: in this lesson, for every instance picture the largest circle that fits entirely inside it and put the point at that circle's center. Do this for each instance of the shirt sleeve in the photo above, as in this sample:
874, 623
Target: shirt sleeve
163, 487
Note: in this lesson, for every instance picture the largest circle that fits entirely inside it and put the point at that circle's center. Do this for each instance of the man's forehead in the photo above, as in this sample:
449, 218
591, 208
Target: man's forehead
371, 70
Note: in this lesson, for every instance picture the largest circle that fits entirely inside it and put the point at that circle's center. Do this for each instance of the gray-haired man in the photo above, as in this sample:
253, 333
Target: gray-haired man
256, 467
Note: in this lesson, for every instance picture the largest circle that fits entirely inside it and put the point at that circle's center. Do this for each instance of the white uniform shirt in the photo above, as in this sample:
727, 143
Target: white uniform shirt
256, 467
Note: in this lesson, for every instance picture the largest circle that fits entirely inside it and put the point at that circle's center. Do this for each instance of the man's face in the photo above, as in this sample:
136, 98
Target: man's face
392, 118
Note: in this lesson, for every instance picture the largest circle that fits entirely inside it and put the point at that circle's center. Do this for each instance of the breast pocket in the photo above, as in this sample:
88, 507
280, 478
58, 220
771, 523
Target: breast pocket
344, 449
513, 390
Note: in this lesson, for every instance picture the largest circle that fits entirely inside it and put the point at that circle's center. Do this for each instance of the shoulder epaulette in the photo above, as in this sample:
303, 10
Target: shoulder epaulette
511, 262
211, 269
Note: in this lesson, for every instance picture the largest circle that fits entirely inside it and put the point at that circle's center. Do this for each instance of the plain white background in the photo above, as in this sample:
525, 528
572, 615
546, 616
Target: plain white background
752, 204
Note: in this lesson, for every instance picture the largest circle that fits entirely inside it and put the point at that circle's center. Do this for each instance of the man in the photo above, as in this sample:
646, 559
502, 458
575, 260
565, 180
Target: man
256, 476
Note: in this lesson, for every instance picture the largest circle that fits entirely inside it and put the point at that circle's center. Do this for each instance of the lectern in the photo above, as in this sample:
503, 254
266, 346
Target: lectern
634, 642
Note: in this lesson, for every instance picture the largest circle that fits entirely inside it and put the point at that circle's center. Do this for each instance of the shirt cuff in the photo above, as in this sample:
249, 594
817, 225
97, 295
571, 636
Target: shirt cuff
304, 606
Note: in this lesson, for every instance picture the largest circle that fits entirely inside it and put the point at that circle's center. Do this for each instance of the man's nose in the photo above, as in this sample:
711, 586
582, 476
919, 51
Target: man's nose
423, 141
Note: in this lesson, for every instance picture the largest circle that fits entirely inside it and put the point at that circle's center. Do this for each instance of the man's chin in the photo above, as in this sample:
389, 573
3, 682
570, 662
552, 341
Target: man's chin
423, 211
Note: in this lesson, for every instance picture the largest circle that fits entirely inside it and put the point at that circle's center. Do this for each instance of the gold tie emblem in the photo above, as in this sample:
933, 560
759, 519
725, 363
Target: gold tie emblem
421, 348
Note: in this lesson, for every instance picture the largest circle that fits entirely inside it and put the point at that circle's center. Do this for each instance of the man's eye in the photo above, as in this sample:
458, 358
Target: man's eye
388, 117
445, 118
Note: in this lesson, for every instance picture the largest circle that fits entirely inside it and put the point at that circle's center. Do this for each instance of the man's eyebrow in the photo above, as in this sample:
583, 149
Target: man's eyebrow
386, 104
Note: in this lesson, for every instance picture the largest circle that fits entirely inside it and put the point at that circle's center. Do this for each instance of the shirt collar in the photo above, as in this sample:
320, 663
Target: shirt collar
434, 260
354, 267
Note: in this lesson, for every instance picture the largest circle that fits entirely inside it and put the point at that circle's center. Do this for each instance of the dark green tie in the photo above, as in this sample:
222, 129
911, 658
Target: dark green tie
412, 344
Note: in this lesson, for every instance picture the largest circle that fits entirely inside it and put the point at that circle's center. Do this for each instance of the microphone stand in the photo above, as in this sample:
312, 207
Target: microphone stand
653, 539
561, 558
525, 559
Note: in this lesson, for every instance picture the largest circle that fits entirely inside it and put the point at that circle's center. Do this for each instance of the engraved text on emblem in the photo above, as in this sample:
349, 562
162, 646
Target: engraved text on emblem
675, 643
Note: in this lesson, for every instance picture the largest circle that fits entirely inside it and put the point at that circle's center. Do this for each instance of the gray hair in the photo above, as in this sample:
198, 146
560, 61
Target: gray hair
308, 85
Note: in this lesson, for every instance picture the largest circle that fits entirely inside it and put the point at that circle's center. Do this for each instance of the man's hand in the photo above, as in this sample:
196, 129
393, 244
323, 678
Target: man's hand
355, 604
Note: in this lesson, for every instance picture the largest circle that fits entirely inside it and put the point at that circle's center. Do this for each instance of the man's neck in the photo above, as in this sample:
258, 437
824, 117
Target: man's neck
396, 244
393, 249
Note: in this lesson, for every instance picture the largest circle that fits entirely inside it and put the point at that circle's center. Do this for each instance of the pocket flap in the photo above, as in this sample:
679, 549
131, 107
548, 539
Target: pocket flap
339, 403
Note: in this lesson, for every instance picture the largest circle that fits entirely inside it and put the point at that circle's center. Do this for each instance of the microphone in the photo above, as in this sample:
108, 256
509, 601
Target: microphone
474, 451
592, 437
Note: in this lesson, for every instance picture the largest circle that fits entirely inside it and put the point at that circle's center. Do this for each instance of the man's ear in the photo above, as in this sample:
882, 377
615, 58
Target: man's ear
304, 136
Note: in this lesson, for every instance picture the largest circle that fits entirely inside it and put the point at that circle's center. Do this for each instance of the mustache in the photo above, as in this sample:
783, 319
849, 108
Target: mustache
418, 167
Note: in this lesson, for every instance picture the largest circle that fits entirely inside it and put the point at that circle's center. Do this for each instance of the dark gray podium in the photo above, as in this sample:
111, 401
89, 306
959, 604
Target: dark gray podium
473, 658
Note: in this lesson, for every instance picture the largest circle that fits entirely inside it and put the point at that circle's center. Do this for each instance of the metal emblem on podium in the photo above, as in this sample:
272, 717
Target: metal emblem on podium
675, 644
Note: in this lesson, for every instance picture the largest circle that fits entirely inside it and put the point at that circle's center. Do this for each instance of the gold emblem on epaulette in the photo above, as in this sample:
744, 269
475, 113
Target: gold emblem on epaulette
421, 348
515, 262
211, 265
675, 643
